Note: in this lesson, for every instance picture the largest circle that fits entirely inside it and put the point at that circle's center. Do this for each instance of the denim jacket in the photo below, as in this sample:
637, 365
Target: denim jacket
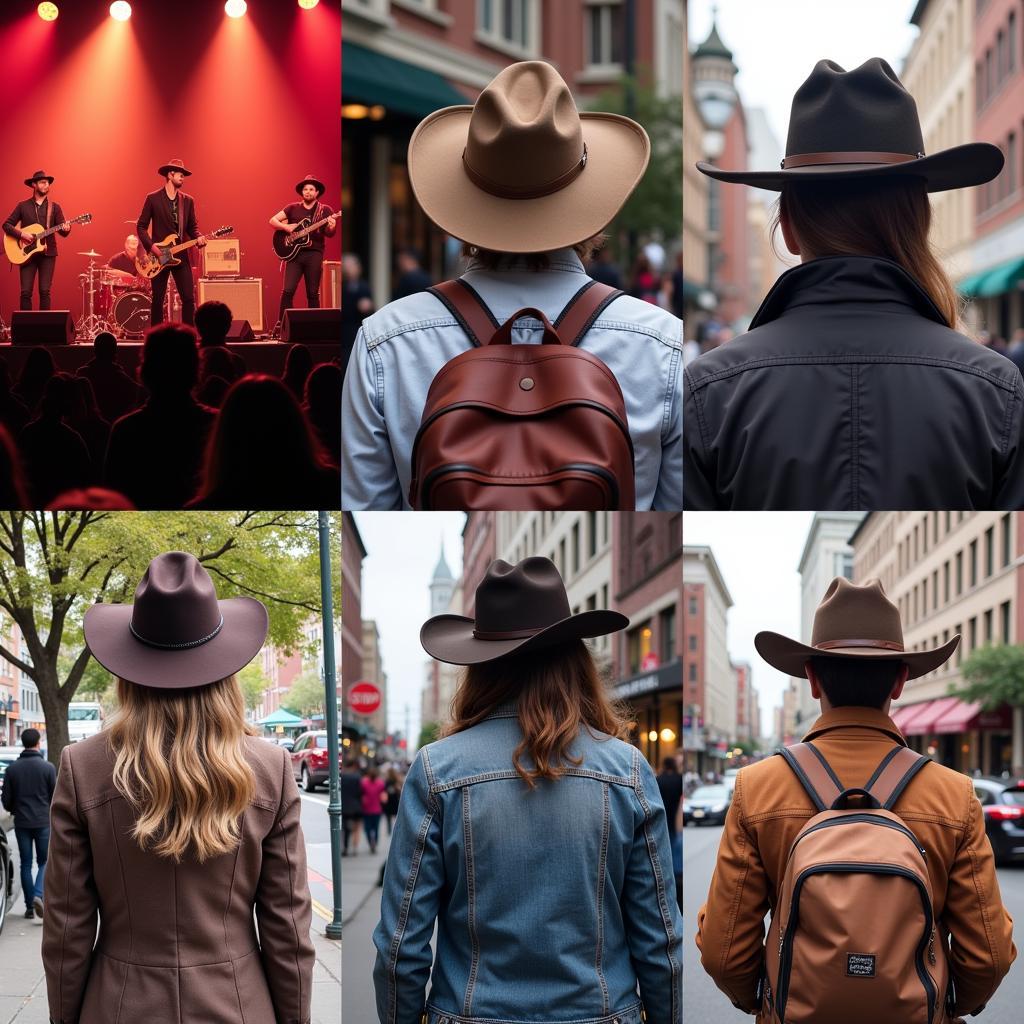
553, 905
401, 347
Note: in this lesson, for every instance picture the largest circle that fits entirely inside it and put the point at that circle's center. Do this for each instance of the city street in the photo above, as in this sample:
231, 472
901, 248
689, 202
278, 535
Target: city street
703, 1001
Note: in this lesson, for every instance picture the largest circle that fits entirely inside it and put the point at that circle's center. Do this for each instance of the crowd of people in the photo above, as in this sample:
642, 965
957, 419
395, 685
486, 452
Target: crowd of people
368, 793
194, 428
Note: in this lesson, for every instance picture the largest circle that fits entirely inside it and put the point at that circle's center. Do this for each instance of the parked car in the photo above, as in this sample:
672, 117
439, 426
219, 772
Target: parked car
6, 877
287, 742
309, 758
729, 778
707, 804
1002, 802
85, 719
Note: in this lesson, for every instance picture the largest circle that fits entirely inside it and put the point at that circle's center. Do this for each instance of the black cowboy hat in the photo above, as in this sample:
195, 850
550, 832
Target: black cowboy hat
863, 123
39, 176
174, 165
520, 607
320, 187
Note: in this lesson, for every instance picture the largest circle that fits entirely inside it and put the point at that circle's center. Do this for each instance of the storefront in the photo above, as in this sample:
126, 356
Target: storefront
959, 734
656, 700
998, 295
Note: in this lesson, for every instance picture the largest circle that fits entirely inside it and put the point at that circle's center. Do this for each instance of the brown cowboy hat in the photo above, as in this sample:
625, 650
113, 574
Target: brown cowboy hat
522, 170
320, 187
39, 176
521, 607
864, 124
174, 165
851, 622
176, 634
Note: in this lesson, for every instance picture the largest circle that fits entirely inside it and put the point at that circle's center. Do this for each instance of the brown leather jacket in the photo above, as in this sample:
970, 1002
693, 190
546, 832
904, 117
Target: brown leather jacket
769, 807
177, 943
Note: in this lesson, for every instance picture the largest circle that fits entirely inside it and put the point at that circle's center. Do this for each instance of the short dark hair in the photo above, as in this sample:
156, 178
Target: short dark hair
669, 765
30, 738
170, 359
213, 320
856, 682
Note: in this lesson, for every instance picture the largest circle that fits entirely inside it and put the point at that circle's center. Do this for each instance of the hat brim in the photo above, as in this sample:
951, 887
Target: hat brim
167, 168
45, 177
449, 638
790, 656
113, 645
618, 151
318, 185
960, 167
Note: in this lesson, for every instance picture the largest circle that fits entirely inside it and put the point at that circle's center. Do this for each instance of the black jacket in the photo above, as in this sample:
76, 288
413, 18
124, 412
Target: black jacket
28, 790
849, 392
28, 212
156, 210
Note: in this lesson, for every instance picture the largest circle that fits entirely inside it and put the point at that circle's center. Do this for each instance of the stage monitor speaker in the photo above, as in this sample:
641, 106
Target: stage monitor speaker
330, 285
42, 327
311, 325
240, 331
244, 295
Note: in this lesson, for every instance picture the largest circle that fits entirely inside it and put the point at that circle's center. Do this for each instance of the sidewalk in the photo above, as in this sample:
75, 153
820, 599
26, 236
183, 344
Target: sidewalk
360, 875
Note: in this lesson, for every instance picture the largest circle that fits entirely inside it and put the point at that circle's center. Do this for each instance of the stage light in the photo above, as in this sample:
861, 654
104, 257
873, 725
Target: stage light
47, 11
308, 5
120, 10
235, 8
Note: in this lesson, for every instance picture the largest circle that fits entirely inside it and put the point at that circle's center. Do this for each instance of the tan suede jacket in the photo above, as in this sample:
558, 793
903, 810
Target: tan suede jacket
769, 807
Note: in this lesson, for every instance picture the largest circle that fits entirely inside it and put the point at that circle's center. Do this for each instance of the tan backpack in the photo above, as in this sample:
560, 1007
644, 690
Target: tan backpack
853, 935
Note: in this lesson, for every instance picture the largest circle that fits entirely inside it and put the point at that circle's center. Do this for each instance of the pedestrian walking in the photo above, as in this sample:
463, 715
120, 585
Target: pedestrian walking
27, 792
872, 859
532, 835
176, 829
351, 807
855, 387
394, 794
372, 802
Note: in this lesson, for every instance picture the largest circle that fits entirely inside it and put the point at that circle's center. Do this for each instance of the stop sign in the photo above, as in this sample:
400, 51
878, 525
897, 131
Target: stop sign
364, 698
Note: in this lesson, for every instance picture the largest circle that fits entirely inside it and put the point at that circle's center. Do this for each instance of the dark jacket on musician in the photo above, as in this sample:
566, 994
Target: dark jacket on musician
48, 213
156, 211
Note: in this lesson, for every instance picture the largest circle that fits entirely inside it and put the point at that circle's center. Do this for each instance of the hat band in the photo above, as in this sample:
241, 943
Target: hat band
189, 643
884, 645
850, 157
511, 192
513, 634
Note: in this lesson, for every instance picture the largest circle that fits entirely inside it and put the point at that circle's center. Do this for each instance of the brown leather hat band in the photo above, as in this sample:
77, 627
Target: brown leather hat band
884, 645
514, 634
853, 157
507, 192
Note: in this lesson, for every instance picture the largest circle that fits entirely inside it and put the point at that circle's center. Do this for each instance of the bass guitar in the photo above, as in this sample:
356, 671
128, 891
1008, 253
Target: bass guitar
288, 243
161, 256
21, 252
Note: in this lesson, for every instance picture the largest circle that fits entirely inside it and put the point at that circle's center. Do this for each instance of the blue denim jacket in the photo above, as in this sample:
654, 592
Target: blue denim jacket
553, 906
400, 348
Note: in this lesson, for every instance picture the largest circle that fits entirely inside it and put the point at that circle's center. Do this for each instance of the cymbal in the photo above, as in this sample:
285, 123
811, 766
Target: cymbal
91, 252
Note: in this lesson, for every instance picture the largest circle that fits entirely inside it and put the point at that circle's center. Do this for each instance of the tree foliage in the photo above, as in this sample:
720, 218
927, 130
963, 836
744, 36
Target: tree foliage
306, 695
429, 733
994, 676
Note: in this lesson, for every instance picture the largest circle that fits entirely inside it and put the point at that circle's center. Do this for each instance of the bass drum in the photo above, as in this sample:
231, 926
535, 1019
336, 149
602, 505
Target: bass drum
131, 313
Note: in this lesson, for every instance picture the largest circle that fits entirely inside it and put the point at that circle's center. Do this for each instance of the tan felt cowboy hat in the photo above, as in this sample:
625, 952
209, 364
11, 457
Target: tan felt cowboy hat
519, 608
522, 170
176, 634
174, 165
39, 176
851, 622
863, 123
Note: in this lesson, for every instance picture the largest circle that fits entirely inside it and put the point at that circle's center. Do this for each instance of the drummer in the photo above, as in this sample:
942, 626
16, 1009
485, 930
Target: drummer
125, 261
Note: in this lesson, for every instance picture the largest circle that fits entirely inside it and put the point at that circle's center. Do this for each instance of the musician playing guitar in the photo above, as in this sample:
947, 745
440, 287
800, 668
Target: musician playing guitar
40, 209
171, 212
309, 258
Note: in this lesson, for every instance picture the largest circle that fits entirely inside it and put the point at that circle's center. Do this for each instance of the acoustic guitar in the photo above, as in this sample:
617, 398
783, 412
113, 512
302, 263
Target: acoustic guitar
288, 243
21, 252
161, 256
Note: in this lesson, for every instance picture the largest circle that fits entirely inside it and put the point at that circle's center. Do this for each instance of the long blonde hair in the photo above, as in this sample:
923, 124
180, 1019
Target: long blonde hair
180, 763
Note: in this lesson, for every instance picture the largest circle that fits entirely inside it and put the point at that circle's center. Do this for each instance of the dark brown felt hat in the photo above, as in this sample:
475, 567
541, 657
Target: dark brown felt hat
176, 634
176, 164
521, 607
864, 124
309, 179
851, 622
39, 176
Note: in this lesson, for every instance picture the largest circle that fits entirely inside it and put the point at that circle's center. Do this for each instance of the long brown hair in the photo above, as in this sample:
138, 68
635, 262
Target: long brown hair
180, 762
557, 691
871, 217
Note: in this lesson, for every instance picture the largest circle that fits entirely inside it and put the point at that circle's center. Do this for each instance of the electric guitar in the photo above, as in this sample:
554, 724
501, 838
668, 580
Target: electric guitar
161, 256
20, 252
287, 244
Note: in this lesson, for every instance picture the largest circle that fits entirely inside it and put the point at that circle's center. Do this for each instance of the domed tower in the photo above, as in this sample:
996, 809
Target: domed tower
442, 586
714, 86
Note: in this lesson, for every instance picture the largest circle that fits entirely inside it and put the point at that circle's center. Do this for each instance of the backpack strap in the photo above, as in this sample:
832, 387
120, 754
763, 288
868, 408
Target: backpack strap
464, 303
815, 774
583, 309
898, 767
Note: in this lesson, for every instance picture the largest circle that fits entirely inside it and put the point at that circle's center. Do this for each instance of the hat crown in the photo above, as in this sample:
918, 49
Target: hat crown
175, 602
863, 110
525, 130
520, 598
849, 611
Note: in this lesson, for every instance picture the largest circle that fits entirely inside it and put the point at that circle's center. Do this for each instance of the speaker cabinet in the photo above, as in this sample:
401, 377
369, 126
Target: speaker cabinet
42, 327
311, 325
240, 331
330, 284
244, 295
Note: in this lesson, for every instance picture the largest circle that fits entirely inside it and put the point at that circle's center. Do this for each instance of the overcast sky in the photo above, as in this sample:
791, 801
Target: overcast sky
402, 552
757, 554
776, 43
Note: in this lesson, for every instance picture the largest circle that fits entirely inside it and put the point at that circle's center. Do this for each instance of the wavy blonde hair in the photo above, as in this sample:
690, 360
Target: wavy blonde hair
180, 762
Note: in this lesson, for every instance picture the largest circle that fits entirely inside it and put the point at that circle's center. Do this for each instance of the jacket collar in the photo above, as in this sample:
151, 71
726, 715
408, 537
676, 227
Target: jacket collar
564, 260
836, 279
31, 753
862, 718
507, 709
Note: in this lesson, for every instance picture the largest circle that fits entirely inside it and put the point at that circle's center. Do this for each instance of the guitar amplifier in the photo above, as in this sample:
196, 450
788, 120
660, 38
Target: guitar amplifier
330, 285
243, 294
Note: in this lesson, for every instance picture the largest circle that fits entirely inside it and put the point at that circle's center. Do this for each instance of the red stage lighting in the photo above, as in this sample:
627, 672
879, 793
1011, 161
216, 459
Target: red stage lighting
47, 11
235, 8
308, 5
120, 10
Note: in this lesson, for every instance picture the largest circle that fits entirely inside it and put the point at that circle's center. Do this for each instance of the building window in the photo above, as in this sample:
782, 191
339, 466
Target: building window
575, 548
591, 534
693, 606
507, 22
1004, 622
667, 630
945, 583
958, 631
972, 633
693, 672
604, 595
989, 552
959, 573
639, 645
1011, 163
606, 33
1004, 536
974, 563
988, 626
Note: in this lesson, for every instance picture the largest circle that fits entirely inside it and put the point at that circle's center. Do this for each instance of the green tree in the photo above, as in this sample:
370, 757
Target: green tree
306, 695
994, 676
55, 565
429, 732
253, 683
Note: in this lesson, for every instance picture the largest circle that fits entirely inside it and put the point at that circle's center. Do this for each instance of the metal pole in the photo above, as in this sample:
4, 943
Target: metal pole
333, 929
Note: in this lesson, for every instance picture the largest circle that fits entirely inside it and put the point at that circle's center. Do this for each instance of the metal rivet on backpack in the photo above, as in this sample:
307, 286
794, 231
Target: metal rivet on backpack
526, 383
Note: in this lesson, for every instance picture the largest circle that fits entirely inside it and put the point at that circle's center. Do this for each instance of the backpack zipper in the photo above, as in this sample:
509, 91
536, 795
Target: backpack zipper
845, 867
577, 467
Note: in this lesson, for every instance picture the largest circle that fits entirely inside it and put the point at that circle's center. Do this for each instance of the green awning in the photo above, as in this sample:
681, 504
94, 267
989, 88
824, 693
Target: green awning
691, 289
281, 717
370, 77
994, 281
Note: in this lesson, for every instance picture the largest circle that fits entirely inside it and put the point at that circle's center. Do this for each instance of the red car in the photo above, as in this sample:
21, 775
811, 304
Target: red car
309, 758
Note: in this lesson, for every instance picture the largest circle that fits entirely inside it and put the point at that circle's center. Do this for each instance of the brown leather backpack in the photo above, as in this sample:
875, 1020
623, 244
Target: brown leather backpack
853, 935
523, 427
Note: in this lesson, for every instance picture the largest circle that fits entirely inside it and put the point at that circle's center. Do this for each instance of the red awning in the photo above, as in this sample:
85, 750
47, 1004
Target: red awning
900, 715
931, 711
958, 718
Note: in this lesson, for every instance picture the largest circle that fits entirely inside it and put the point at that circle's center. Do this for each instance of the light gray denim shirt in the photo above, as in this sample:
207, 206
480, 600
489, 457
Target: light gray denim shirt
401, 347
